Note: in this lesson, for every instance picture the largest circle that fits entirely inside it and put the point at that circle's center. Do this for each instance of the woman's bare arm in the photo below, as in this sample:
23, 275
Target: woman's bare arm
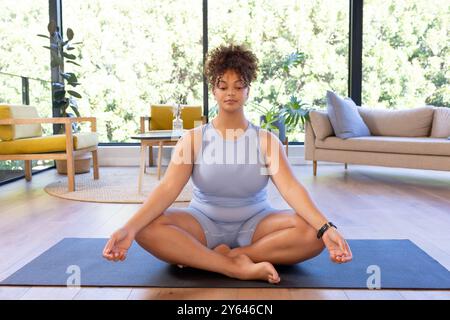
298, 198
284, 179
173, 182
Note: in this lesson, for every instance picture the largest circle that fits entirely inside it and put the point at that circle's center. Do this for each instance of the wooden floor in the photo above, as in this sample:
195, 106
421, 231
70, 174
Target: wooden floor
365, 202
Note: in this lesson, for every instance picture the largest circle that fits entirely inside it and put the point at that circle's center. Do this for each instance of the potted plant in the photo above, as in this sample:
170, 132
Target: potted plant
271, 119
62, 98
279, 115
294, 111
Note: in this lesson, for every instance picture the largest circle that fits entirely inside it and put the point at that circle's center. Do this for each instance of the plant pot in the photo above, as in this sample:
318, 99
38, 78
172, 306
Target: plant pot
82, 164
281, 132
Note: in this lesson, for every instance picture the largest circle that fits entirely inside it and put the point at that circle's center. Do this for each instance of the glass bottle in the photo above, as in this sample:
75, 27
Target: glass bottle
177, 123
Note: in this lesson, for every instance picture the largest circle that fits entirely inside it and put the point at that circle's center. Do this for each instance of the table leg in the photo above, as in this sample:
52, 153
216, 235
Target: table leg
160, 150
150, 156
142, 166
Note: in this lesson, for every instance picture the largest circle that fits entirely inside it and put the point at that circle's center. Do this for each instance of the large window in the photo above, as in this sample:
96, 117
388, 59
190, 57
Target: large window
406, 53
316, 30
22, 55
133, 54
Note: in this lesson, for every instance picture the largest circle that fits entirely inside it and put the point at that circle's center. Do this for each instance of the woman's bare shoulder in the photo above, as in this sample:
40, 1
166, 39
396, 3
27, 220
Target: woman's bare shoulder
266, 139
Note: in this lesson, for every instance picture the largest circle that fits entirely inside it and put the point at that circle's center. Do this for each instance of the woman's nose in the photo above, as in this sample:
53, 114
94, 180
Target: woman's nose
231, 92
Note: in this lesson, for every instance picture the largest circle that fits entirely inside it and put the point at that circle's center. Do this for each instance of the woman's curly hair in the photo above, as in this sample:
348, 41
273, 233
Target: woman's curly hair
232, 57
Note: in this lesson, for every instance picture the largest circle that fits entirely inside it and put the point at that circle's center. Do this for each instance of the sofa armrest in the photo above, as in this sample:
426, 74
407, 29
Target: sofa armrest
310, 141
441, 123
321, 124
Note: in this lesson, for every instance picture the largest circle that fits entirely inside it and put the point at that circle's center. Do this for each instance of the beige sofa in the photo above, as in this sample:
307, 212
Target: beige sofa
413, 138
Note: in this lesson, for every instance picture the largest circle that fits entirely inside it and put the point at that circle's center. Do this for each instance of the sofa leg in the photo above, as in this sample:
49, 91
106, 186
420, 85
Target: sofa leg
28, 170
346, 166
315, 168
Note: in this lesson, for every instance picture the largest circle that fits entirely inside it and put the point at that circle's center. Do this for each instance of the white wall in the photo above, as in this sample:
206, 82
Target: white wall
110, 156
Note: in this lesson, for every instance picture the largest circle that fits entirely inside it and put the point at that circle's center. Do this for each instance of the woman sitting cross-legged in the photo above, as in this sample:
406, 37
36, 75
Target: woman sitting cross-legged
229, 226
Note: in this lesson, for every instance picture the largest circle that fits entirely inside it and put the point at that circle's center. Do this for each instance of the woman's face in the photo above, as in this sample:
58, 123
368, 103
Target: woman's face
230, 91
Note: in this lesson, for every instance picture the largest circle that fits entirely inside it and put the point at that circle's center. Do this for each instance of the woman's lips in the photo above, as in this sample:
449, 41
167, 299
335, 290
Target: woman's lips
230, 101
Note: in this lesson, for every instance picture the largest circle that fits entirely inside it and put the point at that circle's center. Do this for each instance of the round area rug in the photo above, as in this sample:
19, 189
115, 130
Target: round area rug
116, 185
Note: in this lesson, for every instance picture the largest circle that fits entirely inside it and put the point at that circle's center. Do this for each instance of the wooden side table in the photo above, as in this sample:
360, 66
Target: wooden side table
152, 138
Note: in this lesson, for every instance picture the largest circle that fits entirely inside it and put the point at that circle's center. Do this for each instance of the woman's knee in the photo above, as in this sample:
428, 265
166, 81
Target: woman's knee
150, 231
319, 246
309, 237
315, 244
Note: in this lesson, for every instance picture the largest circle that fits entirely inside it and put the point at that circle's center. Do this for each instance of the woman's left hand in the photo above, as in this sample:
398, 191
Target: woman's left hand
337, 246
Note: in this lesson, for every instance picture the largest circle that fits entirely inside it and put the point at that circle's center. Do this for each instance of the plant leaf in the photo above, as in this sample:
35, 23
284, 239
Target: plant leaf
51, 27
73, 62
75, 109
43, 36
70, 33
70, 77
74, 94
69, 56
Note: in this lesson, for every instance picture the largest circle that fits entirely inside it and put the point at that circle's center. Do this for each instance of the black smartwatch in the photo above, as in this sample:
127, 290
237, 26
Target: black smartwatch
324, 228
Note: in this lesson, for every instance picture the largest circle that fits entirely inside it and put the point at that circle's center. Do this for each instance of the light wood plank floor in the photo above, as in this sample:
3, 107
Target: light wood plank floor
365, 202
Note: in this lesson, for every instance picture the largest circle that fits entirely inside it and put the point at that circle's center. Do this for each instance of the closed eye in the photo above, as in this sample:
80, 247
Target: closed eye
235, 88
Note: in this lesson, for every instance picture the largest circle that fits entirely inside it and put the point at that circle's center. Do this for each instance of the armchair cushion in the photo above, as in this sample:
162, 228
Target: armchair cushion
55, 143
161, 117
18, 131
191, 115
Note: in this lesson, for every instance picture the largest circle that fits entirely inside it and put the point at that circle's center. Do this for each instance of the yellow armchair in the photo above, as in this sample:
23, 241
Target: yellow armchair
21, 139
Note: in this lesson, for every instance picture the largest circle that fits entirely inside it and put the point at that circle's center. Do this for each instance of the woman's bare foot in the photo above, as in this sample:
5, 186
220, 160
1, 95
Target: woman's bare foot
246, 269
223, 249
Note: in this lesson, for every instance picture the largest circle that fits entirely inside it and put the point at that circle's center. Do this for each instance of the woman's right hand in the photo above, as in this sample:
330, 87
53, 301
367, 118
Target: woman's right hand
117, 247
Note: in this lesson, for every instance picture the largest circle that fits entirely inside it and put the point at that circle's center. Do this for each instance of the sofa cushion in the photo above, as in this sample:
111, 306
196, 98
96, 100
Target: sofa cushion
398, 123
404, 145
55, 143
18, 131
344, 117
441, 123
321, 124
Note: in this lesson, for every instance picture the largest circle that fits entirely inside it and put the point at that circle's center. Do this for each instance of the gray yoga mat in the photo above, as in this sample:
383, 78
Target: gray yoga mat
400, 264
